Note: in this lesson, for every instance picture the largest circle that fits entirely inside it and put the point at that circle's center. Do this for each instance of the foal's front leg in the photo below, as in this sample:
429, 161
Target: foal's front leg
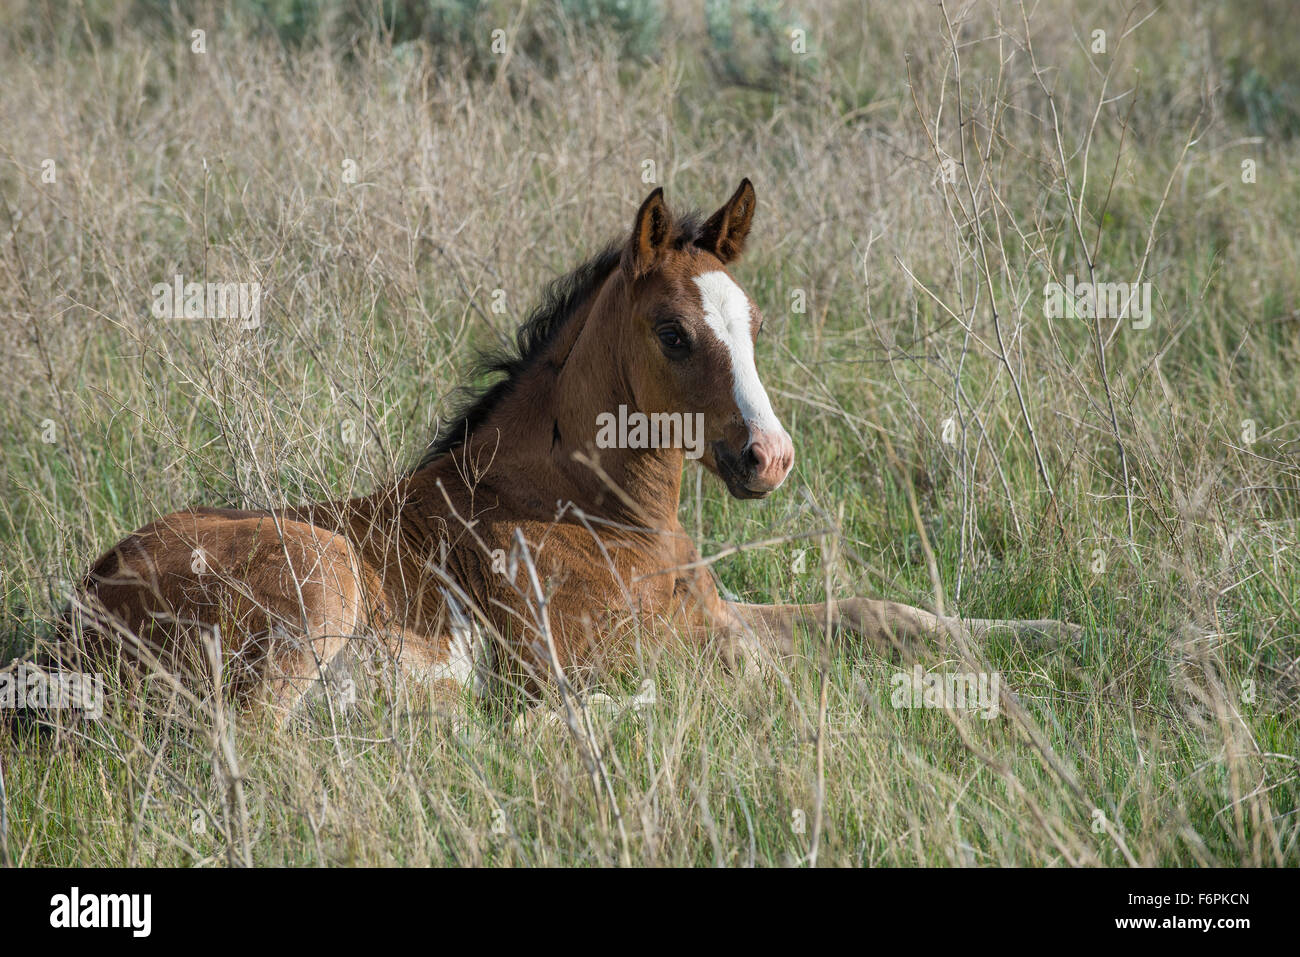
884, 625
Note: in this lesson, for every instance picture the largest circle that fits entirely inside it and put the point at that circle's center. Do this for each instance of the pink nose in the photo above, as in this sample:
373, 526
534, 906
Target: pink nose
773, 457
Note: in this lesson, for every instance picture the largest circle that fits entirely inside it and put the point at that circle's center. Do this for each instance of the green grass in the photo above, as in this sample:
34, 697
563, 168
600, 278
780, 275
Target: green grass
1174, 719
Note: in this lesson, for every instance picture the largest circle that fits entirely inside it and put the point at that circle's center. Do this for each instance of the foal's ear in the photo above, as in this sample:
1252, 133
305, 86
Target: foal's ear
650, 235
724, 234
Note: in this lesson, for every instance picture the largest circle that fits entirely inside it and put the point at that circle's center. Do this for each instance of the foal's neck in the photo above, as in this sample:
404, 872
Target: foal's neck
544, 430
640, 487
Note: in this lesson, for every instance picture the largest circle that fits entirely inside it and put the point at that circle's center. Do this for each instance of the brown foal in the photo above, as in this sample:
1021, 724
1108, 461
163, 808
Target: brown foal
526, 543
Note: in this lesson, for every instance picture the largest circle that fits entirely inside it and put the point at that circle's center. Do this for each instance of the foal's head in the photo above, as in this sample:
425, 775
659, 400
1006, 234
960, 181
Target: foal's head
691, 338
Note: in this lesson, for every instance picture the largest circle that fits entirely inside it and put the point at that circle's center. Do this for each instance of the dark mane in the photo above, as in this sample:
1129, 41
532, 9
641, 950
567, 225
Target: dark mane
562, 298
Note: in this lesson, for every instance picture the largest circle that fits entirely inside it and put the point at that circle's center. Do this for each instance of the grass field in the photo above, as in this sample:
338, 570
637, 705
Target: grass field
402, 188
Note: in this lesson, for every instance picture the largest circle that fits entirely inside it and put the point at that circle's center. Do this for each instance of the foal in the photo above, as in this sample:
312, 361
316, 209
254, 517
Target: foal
522, 545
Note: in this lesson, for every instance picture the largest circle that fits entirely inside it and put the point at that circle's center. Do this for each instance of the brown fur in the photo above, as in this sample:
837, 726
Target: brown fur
287, 589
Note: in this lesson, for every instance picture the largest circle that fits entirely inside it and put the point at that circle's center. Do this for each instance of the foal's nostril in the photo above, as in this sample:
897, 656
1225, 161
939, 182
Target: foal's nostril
768, 458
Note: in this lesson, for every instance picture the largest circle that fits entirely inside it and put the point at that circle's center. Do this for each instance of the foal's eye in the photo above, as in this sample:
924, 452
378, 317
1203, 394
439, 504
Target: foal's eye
672, 340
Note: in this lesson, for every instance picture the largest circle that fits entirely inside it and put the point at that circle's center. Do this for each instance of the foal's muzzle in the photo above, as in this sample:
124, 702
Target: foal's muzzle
759, 467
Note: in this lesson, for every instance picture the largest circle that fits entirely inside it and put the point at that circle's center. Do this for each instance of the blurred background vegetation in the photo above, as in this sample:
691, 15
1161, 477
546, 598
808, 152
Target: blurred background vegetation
1233, 46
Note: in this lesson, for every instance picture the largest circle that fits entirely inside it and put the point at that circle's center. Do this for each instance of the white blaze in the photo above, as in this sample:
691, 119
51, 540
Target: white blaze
726, 309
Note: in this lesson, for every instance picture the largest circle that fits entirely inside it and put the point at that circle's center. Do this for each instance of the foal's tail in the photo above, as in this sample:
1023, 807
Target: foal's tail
18, 722
41, 692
